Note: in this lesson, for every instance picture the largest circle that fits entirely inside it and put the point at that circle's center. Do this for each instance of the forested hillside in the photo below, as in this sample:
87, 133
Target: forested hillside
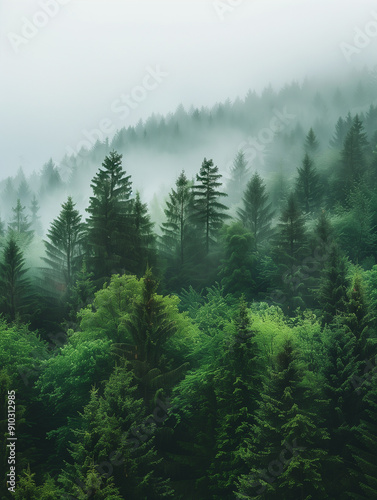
210, 338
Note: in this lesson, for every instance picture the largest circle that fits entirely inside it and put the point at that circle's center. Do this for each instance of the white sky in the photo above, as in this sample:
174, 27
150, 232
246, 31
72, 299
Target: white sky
69, 75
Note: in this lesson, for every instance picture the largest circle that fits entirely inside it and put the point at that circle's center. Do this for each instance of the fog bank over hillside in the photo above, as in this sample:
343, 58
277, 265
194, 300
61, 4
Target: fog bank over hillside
73, 67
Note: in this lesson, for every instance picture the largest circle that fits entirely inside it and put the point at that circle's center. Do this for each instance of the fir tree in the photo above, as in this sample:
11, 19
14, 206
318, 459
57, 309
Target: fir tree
353, 163
15, 287
308, 189
176, 229
237, 386
144, 239
35, 218
285, 453
333, 287
311, 143
109, 231
240, 175
64, 246
209, 214
20, 225
256, 214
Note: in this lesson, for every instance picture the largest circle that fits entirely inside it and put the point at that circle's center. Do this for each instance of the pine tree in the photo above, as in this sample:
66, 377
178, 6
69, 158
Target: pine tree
20, 225
35, 218
342, 127
236, 269
176, 229
333, 287
113, 453
311, 143
237, 386
240, 175
209, 214
353, 163
143, 245
256, 214
345, 402
15, 287
109, 232
285, 454
308, 189
64, 246
289, 251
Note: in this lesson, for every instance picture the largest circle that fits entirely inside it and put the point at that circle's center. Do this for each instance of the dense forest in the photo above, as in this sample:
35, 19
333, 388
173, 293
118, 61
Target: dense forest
210, 339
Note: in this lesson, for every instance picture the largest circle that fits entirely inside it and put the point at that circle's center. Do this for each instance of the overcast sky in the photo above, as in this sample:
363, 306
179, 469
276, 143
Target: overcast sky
73, 66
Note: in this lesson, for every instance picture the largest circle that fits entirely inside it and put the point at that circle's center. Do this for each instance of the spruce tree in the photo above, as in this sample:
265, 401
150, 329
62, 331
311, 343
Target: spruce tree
209, 214
332, 294
237, 386
15, 286
256, 214
35, 218
64, 246
311, 144
144, 240
353, 160
109, 234
176, 229
308, 189
240, 175
20, 225
285, 454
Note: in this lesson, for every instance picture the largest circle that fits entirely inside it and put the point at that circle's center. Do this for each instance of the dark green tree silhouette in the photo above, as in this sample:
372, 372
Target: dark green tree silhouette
308, 188
15, 286
64, 246
209, 214
239, 177
256, 214
109, 234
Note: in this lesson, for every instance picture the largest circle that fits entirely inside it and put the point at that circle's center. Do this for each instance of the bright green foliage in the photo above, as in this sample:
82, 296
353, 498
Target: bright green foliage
67, 377
208, 212
285, 451
308, 189
27, 489
109, 222
64, 247
237, 386
256, 214
15, 287
236, 269
112, 453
